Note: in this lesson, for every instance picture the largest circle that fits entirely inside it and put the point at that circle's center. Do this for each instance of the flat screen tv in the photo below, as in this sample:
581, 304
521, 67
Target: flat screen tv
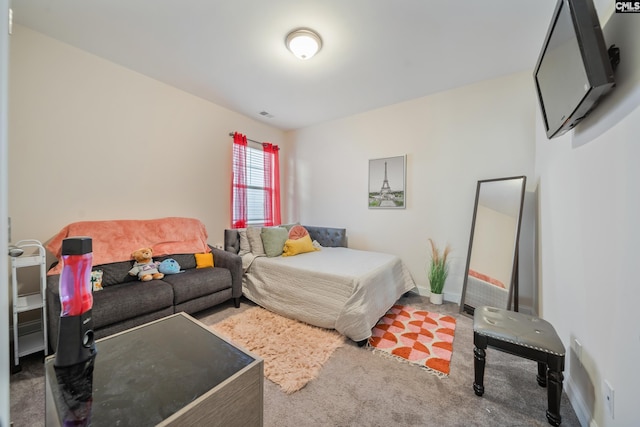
573, 71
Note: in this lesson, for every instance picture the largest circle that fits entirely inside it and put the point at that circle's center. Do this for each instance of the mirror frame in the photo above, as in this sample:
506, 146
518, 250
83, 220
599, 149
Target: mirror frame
513, 283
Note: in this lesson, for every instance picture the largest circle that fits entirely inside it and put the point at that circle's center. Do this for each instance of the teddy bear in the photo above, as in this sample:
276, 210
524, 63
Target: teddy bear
144, 267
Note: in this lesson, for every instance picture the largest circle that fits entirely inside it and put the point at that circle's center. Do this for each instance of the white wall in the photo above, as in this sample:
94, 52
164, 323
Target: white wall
589, 210
91, 140
452, 139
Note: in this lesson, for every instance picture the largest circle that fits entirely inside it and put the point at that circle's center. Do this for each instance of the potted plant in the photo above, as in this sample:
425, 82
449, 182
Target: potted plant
438, 271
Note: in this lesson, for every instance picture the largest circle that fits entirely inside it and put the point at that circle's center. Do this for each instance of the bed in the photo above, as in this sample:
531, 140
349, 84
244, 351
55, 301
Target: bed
483, 289
335, 287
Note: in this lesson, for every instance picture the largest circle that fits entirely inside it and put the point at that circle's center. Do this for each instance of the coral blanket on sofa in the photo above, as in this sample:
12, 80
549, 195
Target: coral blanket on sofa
114, 241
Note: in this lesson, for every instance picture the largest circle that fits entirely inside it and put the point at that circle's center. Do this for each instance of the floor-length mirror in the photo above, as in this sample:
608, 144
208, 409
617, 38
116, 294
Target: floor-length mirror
491, 269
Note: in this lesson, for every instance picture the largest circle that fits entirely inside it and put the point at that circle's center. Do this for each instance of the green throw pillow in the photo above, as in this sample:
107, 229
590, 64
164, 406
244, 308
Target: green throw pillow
273, 240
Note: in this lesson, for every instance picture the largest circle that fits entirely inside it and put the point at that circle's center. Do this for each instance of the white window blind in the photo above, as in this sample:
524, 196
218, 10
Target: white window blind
255, 186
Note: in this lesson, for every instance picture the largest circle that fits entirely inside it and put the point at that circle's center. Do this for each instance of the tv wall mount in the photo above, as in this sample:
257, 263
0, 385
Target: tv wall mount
614, 56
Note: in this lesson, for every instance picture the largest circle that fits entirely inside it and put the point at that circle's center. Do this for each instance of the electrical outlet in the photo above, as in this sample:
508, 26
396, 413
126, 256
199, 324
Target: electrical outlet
608, 397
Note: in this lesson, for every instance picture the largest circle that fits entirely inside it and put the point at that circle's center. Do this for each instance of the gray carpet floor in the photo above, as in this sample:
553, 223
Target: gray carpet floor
358, 387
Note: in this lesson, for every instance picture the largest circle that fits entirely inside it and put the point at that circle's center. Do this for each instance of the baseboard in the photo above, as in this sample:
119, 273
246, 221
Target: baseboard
423, 291
579, 405
448, 296
526, 310
452, 297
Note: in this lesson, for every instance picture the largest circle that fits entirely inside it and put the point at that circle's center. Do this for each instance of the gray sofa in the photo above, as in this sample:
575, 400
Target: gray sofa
125, 302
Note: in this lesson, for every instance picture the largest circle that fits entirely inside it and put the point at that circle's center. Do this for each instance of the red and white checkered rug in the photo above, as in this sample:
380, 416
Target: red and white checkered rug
416, 336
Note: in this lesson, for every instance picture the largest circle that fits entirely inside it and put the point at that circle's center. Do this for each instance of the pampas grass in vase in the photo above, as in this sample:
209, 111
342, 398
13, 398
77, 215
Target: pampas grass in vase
438, 271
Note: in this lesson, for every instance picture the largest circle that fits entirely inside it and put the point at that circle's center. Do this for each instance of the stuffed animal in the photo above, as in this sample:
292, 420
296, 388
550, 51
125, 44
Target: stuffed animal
169, 266
144, 267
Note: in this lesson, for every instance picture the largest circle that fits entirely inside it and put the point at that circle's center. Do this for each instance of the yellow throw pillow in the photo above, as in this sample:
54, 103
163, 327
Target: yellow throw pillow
204, 260
299, 246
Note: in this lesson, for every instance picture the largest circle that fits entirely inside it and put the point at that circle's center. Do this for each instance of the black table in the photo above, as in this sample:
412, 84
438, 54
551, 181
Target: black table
174, 371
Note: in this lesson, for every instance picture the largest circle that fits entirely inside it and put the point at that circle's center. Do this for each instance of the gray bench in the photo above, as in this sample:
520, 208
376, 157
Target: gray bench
521, 335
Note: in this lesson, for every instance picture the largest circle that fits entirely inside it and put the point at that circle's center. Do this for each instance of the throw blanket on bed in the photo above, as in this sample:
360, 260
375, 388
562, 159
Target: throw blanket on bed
486, 278
480, 292
114, 241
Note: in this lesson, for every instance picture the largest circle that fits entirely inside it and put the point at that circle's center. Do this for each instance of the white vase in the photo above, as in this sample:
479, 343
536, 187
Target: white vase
435, 298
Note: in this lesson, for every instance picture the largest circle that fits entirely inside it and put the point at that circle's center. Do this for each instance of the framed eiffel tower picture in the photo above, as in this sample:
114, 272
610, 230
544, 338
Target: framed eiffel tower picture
387, 183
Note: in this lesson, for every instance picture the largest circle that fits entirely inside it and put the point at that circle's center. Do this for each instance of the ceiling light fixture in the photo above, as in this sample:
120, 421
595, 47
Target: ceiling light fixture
303, 43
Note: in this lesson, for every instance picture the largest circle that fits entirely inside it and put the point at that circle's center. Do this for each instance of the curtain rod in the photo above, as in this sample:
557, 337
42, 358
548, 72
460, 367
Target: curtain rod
252, 140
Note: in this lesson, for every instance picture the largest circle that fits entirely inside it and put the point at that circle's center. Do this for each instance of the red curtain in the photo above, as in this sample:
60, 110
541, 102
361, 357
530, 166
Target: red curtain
272, 184
239, 182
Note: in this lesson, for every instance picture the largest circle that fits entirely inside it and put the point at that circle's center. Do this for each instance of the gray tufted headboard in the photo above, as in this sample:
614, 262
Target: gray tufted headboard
326, 236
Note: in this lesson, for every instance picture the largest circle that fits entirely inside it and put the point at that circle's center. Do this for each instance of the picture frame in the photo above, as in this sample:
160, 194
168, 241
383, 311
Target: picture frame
387, 183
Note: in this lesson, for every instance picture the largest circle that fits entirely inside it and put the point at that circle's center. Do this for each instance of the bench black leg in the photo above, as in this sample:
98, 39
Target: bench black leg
542, 374
236, 302
554, 393
491, 328
478, 365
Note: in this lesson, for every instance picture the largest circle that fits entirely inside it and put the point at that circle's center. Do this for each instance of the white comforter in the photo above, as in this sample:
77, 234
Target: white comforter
336, 288
481, 293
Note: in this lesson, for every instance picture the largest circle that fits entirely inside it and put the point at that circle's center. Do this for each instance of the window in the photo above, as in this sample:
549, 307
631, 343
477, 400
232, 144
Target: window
256, 184
256, 191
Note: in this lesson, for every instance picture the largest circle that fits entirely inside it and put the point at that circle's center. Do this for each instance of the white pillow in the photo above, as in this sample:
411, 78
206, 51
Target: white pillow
245, 246
255, 241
